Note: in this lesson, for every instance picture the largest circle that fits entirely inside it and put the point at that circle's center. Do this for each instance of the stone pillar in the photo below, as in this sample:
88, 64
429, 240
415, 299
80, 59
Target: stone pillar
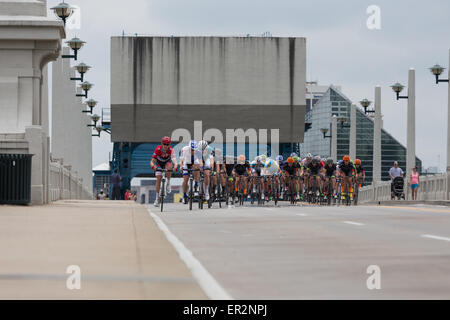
334, 138
411, 125
377, 137
353, 131
36, 146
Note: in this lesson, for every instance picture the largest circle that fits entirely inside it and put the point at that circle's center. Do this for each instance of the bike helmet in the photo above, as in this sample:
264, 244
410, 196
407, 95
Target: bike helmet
290, 160
296, 159
318, 158
258, 159
330, 160
309, 156
166, 141
263, 158
203, 144
280, 158
241, 158
358, 162
293, 154
346, 158
315, 161
193, 144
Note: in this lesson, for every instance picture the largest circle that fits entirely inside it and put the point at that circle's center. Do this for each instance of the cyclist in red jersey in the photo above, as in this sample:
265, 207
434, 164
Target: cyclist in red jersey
164, 158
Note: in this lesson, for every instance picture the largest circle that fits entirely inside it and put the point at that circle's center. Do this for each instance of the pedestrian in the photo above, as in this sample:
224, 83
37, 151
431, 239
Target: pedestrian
127, 195
395, 172
101, 195
115, 180
415, 180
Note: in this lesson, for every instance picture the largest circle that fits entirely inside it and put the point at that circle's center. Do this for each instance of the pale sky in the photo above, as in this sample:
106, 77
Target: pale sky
341, 50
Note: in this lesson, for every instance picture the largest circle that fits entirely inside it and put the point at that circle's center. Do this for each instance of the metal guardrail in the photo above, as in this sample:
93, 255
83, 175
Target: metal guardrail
435, 187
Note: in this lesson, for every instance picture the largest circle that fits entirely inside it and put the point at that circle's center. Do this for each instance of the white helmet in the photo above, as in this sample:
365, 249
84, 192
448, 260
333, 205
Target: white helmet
203, 144
309, 156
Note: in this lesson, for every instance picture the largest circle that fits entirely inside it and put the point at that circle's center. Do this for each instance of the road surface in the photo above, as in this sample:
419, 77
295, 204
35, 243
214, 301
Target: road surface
311, 252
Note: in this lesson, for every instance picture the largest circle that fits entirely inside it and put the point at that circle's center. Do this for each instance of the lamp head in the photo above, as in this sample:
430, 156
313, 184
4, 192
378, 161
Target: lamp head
324, 130
437, 70
63, 10
75, 43
95, 117
86, 86
91, 103
82, 68
365, 103
397, 87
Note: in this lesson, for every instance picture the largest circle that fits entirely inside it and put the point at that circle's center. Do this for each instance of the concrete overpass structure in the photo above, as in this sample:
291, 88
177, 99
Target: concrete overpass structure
29, 40
161, 84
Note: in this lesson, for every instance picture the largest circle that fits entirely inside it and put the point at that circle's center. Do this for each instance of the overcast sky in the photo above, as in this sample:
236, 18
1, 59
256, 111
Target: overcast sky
341, 50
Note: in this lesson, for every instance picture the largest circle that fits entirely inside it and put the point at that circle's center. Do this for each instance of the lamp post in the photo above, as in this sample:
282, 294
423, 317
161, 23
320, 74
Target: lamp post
82, 69
342, 122
95, 118
437, 70
86, 86
99, 131
365, 103
91, 103
325, 131
63, 11
411, 119
75, 44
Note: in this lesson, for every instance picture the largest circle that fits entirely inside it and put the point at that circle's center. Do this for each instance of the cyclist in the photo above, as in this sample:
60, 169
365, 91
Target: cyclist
330, 175
305, 164
190, 158
271, 172
257, 173
230, 162
299, 179
241, 171
219, 169
360, 173
290, 171
314, 170
347, 170
208, 164
163, 158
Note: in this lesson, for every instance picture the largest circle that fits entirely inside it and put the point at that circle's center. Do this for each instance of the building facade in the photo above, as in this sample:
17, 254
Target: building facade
335, 103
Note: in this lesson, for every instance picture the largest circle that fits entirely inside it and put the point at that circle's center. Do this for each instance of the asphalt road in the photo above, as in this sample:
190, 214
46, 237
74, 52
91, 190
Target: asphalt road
310, 252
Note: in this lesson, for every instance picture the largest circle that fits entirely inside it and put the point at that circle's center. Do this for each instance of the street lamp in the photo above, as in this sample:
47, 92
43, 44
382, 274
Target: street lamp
397, 87
91, 103
95, 118
437, 71
365, 103
324, 132
86, 86
63, 11
75, 44
82, 69
99, 130
342, 120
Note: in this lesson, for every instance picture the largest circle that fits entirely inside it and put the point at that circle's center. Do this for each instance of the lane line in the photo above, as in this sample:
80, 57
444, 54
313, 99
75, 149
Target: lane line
353, 223
206, 281
416, 208
301, 215
435, 237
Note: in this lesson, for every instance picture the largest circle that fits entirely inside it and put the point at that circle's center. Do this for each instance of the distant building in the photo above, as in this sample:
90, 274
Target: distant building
101, 178
431, 170
334, 102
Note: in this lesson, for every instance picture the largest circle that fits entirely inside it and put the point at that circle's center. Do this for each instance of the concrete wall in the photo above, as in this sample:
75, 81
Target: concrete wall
71, 138
225, 82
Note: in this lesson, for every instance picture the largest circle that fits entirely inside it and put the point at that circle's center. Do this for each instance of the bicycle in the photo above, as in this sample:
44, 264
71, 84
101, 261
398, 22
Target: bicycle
162, 189
191, 186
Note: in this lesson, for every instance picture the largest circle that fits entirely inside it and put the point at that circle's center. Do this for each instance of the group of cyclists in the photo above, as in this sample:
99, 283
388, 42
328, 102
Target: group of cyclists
310, 179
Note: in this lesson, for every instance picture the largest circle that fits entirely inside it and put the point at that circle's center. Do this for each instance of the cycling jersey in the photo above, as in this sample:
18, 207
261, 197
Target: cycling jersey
190, 158
271, 167
207, 157
314, 169
347, 169
291, 169
359, 169
163, 156
330, 169
229, 167
241, 168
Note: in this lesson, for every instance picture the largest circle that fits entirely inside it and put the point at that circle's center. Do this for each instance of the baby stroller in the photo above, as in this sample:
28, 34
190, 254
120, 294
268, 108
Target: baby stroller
397, 188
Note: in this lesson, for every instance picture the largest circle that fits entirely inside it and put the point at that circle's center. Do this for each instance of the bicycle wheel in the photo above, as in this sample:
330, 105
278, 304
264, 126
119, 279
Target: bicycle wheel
161, 193
191, 193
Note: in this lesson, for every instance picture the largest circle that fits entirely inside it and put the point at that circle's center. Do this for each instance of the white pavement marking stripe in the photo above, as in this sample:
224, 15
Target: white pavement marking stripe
353, 223
206, 281
301, 215
435, 237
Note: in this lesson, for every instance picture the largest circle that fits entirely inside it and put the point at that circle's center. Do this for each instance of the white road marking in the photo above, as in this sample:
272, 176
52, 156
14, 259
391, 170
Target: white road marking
353, 223
225, 231
435, 237
268, 209
206, 281
301, 215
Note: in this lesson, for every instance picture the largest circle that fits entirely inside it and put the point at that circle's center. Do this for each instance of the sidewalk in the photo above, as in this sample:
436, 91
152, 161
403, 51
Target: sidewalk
120, 250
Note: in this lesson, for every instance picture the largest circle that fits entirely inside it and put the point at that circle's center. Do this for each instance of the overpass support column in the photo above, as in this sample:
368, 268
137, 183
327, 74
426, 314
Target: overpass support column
334, 138
353, 131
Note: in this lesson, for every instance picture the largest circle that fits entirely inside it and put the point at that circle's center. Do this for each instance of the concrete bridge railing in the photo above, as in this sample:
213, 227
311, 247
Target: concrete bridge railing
435, 187
65, 184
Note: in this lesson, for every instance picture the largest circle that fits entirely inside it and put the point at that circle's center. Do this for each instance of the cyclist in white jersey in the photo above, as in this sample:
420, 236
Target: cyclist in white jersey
190, 158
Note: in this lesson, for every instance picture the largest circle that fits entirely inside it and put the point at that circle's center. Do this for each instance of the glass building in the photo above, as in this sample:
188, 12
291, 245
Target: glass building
334, 102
